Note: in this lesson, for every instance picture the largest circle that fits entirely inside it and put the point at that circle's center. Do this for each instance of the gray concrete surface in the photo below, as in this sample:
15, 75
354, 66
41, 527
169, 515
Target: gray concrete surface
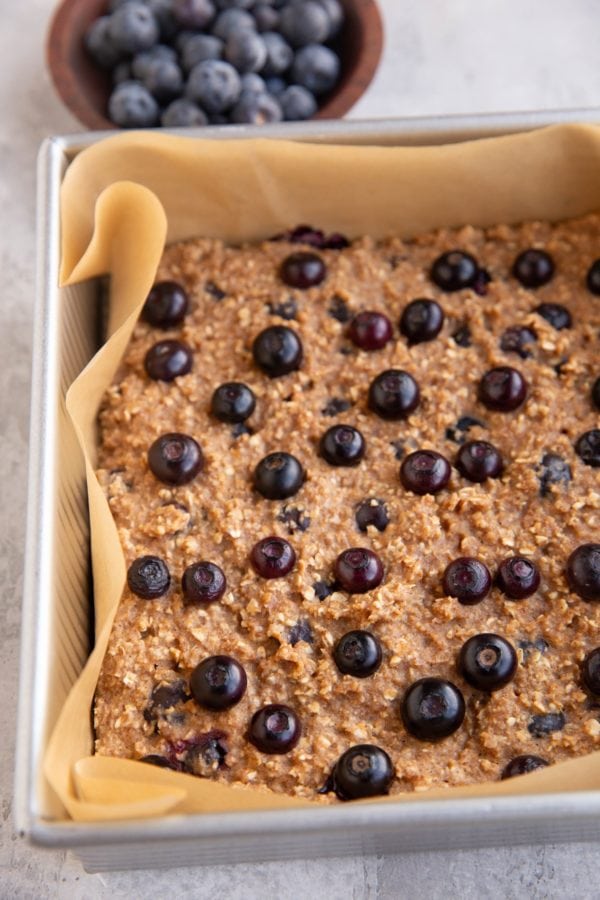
452, 56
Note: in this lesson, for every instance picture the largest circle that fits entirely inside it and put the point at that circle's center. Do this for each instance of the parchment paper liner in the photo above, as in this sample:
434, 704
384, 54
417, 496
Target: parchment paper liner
121, 199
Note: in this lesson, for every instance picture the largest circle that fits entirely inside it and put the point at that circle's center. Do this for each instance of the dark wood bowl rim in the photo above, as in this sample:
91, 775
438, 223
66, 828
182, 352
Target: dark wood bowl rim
70, 85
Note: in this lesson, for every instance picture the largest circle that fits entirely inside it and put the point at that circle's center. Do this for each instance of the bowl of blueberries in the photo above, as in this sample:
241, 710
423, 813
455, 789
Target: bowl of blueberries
191, 63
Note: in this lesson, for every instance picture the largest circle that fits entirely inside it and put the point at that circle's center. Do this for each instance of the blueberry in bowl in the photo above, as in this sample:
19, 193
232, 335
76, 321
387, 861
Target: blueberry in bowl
319, 54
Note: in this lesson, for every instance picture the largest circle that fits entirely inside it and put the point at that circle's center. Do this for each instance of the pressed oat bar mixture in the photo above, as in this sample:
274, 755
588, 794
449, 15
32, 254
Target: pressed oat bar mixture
539, 499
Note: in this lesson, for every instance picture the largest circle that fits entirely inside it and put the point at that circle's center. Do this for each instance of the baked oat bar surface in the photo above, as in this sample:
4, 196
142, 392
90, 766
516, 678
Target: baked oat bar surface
279, 630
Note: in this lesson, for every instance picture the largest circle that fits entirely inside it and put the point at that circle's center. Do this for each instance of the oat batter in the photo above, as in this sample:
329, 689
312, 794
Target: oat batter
541, 502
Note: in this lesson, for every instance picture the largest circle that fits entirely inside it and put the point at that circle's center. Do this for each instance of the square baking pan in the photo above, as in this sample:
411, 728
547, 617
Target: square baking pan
58, 593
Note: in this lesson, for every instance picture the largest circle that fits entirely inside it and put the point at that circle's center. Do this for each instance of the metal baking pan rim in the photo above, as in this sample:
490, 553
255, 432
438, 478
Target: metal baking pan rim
55, 155
351, 818
430, 129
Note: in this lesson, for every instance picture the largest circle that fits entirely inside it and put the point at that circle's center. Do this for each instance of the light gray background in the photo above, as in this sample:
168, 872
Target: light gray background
441, 56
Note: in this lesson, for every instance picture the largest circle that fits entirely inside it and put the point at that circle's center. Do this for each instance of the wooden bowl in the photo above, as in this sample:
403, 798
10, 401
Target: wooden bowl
85, 88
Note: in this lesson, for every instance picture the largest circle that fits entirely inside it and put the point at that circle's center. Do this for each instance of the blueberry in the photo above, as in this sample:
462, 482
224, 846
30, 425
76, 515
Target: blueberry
425, 472
142, 62
454, 271
266, 17
218, 119
546, 723
358, 653
540, 645
132, 28
304, 234
246, 51
393, 394
342, 445
275, 85
583, 571
181, 39
239, 429
253, 84
553, 469
370, 330
478, 460
502, 389
161, 762
278, 476
232, 21
166, 305
557, 315
167, 360
214, 290
323, 589
277, 351
167, 696
203, 583
206, 754
297, 103
399, 449
218, 682
304, 23
462, 336
162, 11
164, 80
559, 366
122, 72
199, 48
517, 339
302, 270
285, 310
214, 85
593, 278
336, 241
432, 709
590, 671
362, 771
256, 109
301, 632
463, 425
372, 512
518, 577
596, 393
523, 765
335, 14
358, 570
587, 448
421, 321
482, 279
148, 577
274, 729
194, 14
175, 458
232, 402
100, 45
533, 268
235, 4
338, 310
273, 557
335, 407
131, 105
183, 113
295, 519
467, 579
316, 68
487, 662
